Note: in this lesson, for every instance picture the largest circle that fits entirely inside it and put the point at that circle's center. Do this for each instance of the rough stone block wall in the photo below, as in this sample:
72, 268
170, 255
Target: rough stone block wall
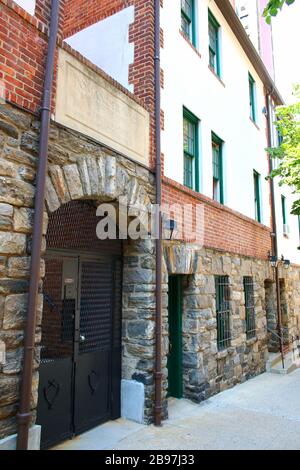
17, 174
78, 169
290, 281
207, 371
139, 318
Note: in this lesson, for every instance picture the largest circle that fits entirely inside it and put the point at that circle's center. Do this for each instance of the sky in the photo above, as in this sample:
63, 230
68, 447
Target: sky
286, 37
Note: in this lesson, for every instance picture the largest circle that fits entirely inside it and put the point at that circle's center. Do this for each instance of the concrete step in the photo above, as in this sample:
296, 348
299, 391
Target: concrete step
291, 363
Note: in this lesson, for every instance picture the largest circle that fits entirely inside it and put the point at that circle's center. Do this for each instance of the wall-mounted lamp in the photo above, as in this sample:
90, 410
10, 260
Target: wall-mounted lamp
265, 111
286, 263
171, 226
274, 261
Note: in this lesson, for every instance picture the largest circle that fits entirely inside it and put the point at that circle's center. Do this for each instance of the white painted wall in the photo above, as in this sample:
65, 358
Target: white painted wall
27, 5
106, 44
223, 109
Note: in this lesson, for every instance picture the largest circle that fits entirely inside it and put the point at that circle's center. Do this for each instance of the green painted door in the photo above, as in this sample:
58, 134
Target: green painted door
175, 388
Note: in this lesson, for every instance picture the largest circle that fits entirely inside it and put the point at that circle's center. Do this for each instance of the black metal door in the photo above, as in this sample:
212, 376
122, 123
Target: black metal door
80, 356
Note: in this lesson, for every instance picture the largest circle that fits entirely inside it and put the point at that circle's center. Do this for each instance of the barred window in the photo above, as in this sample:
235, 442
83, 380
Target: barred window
250, 307
223, 312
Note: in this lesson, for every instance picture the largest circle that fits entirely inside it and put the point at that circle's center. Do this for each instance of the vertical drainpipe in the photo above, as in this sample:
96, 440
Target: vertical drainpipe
274, 229
24, 415
158, 339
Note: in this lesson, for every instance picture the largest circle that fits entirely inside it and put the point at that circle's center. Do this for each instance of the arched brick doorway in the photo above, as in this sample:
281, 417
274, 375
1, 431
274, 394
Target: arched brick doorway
80, 370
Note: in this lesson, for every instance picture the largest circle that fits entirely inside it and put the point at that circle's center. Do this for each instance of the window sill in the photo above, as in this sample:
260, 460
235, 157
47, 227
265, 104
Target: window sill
217, 76
190, 44
254, 123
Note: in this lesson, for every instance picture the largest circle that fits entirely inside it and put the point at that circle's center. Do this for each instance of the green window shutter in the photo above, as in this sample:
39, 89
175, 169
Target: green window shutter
218, 183
257, 196
188, 19
223, 311
214, 52
252, 98
190, 150
249, 307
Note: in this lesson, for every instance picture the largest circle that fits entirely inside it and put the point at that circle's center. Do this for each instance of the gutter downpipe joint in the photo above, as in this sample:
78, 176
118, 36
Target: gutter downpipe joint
159, 244
274, 229
24, 415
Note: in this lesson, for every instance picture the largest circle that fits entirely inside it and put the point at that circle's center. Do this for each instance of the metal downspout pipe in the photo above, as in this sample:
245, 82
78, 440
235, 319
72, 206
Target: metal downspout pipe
159, 242
24, 415
274, 230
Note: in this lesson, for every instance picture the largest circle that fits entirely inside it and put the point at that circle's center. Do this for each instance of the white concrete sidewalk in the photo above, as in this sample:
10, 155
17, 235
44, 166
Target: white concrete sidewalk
263, 413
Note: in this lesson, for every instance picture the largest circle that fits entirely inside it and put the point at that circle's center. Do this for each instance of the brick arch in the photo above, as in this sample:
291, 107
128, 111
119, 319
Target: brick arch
94, 178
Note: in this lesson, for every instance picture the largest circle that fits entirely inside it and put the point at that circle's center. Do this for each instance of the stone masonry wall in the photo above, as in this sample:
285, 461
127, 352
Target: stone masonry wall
79, 169
208, 371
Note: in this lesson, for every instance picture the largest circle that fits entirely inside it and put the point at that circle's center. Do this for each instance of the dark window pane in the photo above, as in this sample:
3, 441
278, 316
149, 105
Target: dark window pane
187, 8
186, 27
249, 307
188, 171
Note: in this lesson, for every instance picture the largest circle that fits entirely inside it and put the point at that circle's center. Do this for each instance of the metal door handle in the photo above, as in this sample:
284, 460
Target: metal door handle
81, 338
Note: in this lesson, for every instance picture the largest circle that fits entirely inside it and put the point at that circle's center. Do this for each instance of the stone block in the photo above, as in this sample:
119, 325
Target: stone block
18, 118
140, 329
12, 243
59, 183
191, 360
16, 192
9, 129
23, 220
51, 196
13, 363
73, 181
8, 169
9, 390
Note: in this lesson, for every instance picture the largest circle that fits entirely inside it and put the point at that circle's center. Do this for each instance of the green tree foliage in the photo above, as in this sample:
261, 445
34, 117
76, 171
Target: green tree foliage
288, 152
273, 7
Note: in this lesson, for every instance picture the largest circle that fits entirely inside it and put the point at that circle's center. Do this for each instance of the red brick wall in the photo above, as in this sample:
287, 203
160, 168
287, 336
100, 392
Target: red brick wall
22, 59
224, 229
23, 48
78, 14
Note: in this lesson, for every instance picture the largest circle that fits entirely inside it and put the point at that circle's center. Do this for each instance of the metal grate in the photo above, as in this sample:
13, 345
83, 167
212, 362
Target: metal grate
96, 306
73, 227
250, 307
223, 312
